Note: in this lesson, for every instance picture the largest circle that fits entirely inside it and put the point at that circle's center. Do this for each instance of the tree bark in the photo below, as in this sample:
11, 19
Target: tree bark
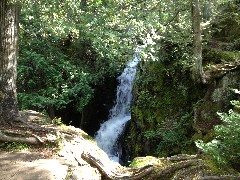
8, 60
198, 73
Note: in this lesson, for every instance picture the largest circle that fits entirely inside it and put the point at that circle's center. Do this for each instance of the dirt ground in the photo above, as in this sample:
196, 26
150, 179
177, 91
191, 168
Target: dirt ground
46, 162
31, 166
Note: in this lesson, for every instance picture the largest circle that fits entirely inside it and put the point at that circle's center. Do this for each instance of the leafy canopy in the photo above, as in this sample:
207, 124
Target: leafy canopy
69, 46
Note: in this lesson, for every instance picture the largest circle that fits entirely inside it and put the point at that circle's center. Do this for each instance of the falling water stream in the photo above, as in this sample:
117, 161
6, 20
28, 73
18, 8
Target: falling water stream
108, 135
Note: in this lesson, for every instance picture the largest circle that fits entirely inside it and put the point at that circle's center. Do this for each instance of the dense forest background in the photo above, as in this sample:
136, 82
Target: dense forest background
84, 42
70, 53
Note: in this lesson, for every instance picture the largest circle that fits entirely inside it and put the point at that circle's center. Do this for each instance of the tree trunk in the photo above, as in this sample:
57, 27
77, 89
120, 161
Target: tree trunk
8, 61
197, 70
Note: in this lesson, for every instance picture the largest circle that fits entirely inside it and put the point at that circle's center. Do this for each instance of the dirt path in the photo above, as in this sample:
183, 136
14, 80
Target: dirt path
31, 165
41, 163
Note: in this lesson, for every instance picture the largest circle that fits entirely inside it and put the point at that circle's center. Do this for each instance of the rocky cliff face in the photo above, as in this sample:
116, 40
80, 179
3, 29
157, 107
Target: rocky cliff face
223, 78
170, 111
96, 111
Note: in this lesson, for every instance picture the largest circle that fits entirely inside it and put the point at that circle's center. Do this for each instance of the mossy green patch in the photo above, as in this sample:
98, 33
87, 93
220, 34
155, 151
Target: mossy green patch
15, 146
148, 160
215, 56
162, 109
216, 170
90, 138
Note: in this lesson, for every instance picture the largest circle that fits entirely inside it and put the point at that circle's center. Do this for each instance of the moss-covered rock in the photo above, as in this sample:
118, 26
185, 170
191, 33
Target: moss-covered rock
216, 99
163, 98
183, 166
169, 110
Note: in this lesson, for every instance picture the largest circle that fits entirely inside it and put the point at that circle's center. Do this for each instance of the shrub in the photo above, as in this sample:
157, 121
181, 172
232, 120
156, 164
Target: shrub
224, 148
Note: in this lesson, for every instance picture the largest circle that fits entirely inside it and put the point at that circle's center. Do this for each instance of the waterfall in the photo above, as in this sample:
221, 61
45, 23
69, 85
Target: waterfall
109, 132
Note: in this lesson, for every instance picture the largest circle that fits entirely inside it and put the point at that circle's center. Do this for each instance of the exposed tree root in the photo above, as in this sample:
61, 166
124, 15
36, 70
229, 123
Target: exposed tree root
170, 170
25, 128
29, 140
21, 122
167, 171
176, 167
128, 174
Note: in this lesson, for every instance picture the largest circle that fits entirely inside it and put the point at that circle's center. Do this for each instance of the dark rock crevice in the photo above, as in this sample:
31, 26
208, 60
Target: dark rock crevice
95, 112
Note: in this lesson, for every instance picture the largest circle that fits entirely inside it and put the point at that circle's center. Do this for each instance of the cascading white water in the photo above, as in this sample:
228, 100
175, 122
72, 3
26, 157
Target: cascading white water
109, 132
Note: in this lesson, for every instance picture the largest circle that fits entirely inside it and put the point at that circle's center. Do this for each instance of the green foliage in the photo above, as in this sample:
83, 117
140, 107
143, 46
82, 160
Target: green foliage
165, 93
229, 17
57, 121
51, 81
216, 56
162, 106
49, 76
15, 146
63, 57
224, 148
67, 47
213, 56
174, 138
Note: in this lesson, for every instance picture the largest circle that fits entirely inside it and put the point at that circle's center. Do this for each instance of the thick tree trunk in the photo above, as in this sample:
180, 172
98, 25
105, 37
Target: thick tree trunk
197, 71
8, 61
